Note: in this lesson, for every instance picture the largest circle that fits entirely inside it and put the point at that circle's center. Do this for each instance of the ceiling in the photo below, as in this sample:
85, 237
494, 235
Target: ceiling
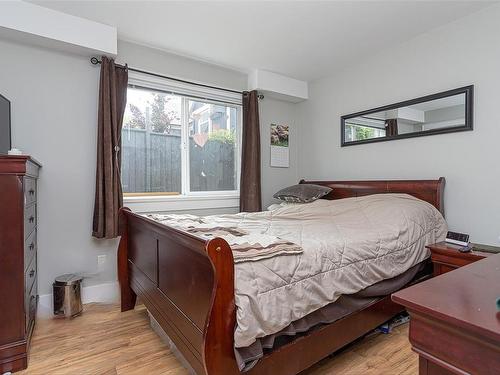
301, 39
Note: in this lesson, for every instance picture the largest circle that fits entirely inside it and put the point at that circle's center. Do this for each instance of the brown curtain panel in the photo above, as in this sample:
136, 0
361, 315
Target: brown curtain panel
108, 188
391, 127
250, 191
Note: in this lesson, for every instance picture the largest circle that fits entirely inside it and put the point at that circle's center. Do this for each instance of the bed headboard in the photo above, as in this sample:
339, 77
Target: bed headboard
428, 190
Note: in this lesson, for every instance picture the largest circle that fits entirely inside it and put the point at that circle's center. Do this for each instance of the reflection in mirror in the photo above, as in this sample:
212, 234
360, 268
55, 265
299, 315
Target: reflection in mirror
440, 113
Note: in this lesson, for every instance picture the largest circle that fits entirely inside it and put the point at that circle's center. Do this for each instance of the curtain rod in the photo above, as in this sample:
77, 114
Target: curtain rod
96, 61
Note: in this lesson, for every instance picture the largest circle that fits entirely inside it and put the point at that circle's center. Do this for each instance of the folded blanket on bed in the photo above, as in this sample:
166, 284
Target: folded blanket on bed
246, 246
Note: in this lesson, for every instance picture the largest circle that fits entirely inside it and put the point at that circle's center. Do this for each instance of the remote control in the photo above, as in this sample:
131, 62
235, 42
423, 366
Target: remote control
465, 249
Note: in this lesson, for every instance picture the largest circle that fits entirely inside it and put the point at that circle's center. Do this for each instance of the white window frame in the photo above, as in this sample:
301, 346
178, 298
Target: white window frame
188, 200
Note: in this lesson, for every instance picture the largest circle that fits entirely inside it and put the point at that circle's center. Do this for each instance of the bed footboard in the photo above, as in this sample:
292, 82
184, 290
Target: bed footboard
187, 284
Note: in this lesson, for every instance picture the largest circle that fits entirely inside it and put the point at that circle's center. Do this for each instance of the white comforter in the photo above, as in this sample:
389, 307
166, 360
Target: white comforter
348, 245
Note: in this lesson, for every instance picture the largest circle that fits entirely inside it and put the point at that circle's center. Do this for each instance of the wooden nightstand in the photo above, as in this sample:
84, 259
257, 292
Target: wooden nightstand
446, 257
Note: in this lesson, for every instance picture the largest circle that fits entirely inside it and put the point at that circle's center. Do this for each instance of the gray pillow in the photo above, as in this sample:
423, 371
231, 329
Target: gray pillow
302, 193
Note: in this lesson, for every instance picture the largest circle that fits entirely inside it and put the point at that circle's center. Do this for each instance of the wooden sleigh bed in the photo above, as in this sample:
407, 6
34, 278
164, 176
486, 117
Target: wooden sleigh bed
187, 284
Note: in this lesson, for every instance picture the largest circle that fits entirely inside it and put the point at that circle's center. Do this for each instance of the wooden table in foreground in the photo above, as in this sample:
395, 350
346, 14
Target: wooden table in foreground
455, 324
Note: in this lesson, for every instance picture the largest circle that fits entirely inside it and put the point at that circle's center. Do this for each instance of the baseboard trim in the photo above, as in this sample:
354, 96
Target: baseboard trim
104, 293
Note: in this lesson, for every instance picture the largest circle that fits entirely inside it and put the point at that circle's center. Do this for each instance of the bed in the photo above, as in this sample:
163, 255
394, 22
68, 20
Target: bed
188, 285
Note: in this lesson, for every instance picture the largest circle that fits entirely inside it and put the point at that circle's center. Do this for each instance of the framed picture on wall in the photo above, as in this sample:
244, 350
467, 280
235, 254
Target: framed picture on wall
280, 153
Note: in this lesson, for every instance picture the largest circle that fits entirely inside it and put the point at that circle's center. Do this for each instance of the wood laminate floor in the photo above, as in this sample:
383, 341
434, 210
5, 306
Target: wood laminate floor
104, 341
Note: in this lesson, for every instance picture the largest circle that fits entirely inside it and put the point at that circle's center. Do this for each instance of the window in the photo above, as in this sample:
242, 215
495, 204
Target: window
179, 142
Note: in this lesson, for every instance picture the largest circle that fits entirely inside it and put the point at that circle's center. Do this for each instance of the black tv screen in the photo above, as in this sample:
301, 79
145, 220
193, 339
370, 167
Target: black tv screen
5, 141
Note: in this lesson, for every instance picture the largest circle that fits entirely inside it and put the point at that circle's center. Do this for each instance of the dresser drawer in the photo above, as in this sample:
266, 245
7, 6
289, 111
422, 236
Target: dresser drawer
29, 219
30, 275
29, 190
30, 305
29, 249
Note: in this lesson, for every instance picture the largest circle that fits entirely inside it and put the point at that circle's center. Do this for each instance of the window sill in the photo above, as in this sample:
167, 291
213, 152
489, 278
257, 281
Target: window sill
181, 202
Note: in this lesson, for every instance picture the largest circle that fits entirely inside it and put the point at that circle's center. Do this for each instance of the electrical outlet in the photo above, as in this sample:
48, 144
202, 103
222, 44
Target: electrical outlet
101, 260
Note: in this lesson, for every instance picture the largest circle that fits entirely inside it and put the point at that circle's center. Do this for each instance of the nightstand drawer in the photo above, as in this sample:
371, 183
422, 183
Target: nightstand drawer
447, 257
452, 261
439, 269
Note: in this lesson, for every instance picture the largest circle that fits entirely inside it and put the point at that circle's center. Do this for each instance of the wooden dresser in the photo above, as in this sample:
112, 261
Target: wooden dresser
455, 324
18, 260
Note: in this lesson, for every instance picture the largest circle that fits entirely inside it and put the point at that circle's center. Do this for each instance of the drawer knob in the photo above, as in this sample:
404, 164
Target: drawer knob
31, 219
32, 192
32, 273
32, 246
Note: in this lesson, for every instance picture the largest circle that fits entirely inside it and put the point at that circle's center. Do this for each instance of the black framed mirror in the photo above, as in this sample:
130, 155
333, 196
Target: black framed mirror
446, 112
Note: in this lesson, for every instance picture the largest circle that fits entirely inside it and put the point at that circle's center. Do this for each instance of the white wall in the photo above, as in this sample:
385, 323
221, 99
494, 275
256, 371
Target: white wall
458, 54
54, 112
157, 61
